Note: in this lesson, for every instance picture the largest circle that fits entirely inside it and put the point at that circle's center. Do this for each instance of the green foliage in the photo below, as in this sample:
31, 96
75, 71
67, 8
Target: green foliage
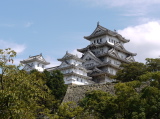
68, 110
6, 57
56, 83
153, 77
130, 72
151, 96
99, 104
153, 64
22, 95
128, 101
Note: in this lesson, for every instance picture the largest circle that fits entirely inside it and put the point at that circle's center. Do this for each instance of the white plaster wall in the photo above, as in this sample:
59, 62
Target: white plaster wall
39, 68
112, 70
74, 62
114, 61
73, 79
94, 40
35, 66
90, 63
105, 49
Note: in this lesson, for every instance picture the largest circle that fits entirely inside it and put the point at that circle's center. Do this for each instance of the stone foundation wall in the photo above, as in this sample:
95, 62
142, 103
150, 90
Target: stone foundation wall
76, 93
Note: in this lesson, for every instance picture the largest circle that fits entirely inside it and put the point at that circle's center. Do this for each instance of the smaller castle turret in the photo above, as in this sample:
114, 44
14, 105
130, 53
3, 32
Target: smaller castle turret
35, 62
72, 69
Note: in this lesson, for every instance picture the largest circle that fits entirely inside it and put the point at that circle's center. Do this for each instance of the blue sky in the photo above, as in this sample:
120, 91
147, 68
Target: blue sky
52, 27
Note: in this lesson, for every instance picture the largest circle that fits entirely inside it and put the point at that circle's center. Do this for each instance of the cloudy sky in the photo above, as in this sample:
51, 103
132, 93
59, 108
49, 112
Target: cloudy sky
52, 27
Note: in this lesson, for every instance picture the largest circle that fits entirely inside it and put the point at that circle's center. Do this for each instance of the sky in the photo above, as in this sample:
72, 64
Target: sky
52, 27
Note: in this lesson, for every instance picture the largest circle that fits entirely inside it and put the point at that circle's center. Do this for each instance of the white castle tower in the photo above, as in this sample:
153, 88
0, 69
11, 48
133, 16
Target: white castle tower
105, 54
73, 71
35, 62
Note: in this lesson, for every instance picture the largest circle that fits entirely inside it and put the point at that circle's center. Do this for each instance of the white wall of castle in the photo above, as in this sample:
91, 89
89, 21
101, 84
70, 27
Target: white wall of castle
75, 70
38, 66
74, 62
75, 80
102, 39
78, 69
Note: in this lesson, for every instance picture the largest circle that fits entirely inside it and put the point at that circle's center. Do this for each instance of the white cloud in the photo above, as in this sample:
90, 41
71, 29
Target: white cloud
17, 47
28, 24
75, 52
144, 40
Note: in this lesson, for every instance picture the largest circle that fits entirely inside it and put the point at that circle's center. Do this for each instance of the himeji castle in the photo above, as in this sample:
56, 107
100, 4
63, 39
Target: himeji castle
100, 60
105, 54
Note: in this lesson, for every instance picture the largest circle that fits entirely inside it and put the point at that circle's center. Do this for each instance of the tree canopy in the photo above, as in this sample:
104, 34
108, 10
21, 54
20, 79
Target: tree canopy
130, 72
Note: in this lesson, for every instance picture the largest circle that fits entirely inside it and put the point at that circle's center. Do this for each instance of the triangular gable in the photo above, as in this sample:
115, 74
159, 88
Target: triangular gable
41, 58
66, 55
130, 58
119, 46
64, 64
92, 56
98, 30
96, 71
113, 52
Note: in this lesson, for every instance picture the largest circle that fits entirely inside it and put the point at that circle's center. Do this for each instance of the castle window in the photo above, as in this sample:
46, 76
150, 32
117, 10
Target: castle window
37, 65
100, 40
81, 80
42, 66
31, 64
77, 79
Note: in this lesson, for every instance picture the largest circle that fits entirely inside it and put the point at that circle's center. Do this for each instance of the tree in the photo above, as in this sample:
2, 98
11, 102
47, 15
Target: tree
153, 77
153, 64
56, 84
130, 72
68, 110
99, 104
128, 100
151, 96
21, 93
6, 56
